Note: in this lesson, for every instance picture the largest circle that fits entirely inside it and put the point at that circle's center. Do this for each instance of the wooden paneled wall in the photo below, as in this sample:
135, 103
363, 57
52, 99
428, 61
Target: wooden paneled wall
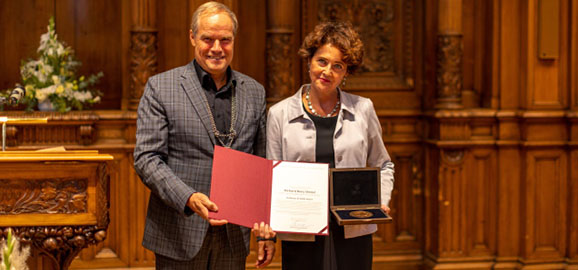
500, 183
482, 130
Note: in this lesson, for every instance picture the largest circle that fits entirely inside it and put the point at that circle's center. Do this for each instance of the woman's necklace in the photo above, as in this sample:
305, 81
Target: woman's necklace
313, 110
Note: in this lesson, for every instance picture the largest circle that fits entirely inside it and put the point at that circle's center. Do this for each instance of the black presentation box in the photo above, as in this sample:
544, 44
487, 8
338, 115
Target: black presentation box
355, 196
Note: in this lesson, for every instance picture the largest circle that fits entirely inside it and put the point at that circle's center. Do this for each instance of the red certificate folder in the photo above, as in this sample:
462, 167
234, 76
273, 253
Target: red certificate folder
241, 187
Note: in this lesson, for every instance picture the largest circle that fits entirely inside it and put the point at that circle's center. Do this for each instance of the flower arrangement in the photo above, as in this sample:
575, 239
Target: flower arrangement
52, 77
13, 257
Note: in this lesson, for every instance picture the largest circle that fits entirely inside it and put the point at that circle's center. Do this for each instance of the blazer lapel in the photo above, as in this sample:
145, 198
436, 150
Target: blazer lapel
241, 101
192, 87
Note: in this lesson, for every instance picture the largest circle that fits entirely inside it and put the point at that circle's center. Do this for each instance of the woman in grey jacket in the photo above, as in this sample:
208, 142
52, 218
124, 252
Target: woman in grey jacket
321, 123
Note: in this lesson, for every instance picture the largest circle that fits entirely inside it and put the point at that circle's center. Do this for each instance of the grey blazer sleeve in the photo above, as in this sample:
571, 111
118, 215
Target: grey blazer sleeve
151, 151
261, 138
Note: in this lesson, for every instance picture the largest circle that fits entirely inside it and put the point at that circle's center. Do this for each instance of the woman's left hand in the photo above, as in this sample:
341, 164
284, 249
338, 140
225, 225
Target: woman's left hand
385, 208
266, 239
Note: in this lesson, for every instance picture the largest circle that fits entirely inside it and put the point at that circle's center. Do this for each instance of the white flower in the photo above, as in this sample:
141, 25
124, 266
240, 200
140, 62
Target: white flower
44, 39
49, 89
96, 99
60, 49
55, 79
82, 96
41, 96
68, 93
41, 77
48, 68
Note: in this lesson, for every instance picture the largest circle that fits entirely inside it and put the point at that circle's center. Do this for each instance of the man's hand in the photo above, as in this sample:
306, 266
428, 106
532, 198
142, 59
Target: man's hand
200, 204
266, 242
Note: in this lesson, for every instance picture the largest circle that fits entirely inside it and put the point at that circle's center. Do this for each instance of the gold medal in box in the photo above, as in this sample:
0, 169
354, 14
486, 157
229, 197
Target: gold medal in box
355, 196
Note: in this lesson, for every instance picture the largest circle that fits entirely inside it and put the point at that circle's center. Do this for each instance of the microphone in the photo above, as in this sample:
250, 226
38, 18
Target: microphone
17, 94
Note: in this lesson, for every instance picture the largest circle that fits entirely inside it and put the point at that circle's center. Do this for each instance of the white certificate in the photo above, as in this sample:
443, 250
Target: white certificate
292, 197
299, 197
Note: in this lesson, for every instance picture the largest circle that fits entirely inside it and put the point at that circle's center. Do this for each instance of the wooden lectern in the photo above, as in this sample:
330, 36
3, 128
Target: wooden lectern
55, 201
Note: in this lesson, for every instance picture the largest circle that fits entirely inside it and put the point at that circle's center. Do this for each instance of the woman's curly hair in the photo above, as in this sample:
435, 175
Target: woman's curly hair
339, 34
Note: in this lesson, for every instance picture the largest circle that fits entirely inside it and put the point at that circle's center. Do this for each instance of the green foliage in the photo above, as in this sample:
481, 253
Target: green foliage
7, 251
13, 257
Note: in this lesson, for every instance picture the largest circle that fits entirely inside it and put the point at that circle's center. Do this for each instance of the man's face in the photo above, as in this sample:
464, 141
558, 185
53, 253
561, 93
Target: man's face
214, 43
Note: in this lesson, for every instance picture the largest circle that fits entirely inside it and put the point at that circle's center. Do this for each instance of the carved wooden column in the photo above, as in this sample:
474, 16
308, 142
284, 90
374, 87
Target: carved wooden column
446, 231
461, 187
460, 181
449, 55
143, 48
280, 50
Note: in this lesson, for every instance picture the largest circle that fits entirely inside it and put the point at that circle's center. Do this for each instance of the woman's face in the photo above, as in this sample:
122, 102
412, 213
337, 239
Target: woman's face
327, 68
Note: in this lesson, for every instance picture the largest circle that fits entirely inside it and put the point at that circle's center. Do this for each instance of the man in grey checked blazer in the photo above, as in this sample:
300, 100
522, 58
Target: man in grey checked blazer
174, 149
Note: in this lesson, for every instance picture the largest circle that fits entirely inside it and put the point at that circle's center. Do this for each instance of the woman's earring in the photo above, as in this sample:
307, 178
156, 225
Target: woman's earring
343, 82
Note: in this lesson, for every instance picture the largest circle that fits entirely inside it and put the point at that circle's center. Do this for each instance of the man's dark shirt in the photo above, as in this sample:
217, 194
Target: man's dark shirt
219, 100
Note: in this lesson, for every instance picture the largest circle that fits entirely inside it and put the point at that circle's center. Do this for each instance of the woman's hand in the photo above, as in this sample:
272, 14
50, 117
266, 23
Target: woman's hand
266, 239
385, 208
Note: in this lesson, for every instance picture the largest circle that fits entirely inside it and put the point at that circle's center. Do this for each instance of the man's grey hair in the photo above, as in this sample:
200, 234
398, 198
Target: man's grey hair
211, 8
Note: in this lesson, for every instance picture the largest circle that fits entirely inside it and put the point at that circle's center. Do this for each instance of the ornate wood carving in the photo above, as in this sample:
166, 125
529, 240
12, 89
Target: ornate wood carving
453, 156
374, 21
280, 79
59, 206
449, 71
408, 43
143, 62
61, 243
43, 196
143, 48
379, 23
280, 50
